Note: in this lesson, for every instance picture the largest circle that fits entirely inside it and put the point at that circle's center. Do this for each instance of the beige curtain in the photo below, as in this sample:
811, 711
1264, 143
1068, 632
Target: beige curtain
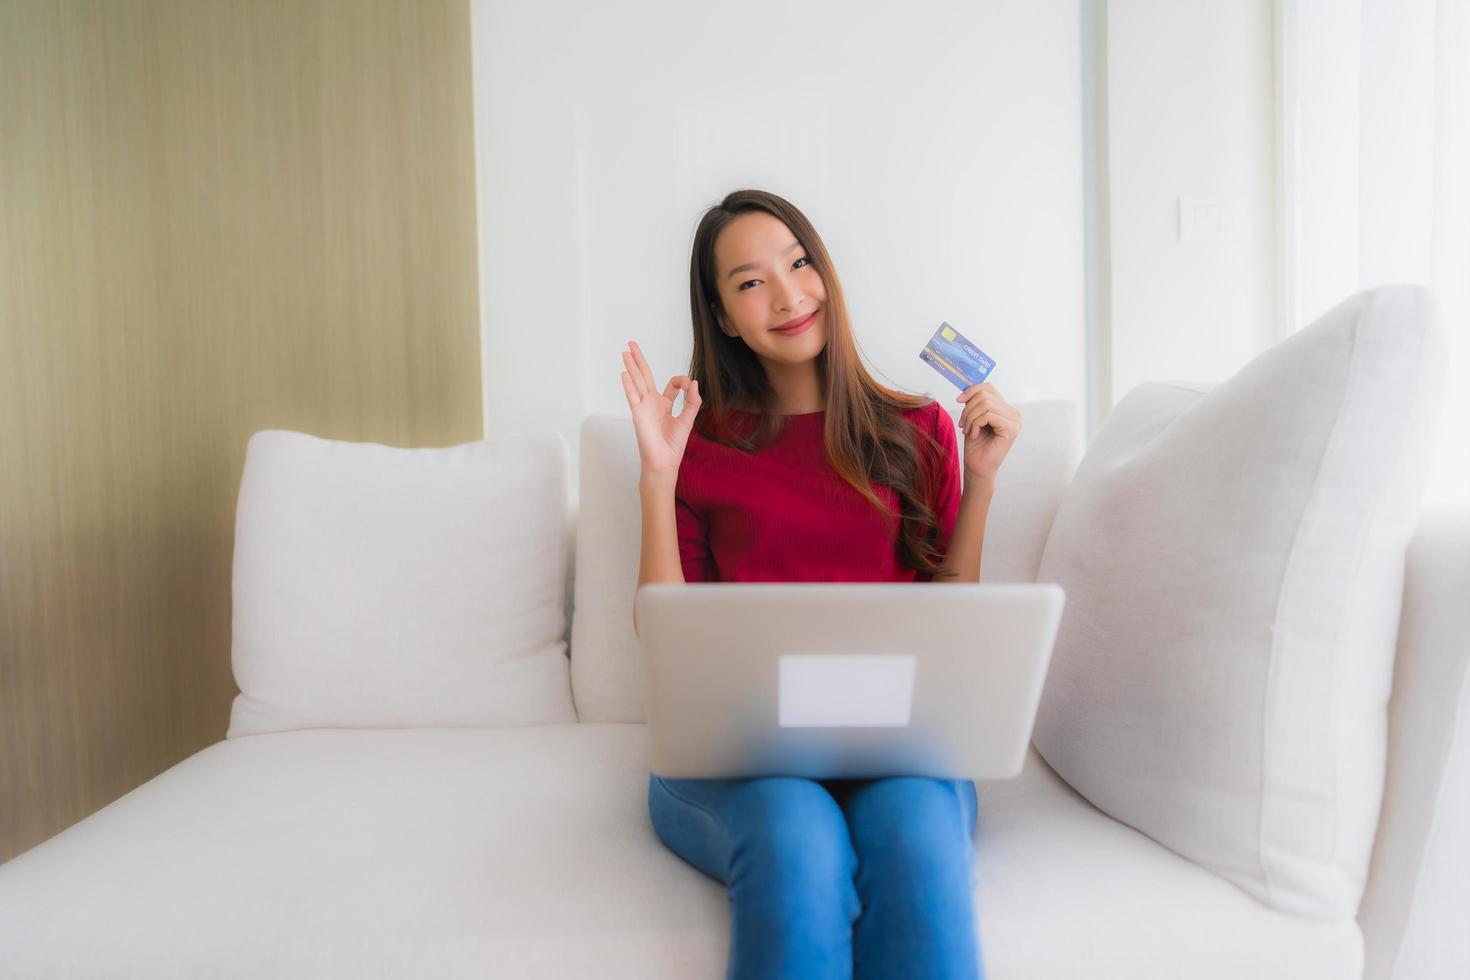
215, 217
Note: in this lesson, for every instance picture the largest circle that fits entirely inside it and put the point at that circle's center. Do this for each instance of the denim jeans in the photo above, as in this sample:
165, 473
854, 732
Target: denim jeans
865, 878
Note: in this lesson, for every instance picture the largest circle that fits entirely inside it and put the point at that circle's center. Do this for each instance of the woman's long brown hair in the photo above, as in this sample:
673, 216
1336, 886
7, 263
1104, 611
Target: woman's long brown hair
867, 438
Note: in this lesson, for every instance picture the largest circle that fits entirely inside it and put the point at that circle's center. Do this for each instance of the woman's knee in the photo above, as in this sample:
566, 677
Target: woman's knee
795, 825
913, 817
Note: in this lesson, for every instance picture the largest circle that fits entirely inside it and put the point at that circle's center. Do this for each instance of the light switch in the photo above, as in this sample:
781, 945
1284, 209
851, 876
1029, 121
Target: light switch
1212, 219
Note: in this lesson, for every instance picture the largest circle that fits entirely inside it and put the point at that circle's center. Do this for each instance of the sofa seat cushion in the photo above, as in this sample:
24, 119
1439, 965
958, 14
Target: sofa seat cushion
528, 852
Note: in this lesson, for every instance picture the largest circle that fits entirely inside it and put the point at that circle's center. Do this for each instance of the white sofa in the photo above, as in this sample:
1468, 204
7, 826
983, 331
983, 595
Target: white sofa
417, 782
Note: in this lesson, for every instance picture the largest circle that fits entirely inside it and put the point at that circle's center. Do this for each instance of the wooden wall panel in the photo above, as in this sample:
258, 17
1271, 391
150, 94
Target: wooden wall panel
215, 217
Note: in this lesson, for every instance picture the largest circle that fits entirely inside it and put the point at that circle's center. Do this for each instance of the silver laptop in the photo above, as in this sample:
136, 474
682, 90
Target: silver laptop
835, 680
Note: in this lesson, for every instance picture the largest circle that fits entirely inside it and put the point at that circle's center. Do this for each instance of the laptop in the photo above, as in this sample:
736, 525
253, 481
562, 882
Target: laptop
841, 680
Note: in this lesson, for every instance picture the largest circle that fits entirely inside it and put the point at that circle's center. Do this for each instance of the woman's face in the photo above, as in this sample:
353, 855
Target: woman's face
766, 280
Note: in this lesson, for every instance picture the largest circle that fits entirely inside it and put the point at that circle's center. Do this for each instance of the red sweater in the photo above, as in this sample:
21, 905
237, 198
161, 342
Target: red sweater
784, 515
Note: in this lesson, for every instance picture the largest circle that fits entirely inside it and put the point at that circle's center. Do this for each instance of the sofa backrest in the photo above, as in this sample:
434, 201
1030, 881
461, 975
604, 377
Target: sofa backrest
607, 677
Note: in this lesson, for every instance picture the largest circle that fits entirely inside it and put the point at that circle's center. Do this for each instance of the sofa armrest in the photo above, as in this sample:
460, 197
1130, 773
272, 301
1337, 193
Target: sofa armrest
569, 545
1416, 904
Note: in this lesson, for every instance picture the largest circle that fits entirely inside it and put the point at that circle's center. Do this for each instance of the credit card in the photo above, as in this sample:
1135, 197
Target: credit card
952, 355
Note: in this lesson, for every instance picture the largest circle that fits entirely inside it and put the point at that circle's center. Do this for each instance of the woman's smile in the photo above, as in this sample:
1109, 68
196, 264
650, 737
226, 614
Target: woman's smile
798, 328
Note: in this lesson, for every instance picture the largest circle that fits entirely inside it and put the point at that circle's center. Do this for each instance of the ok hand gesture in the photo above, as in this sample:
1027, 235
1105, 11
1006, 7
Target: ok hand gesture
662, 435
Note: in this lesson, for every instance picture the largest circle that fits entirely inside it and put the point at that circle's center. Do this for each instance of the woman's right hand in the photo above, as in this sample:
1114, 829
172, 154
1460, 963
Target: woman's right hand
662, 435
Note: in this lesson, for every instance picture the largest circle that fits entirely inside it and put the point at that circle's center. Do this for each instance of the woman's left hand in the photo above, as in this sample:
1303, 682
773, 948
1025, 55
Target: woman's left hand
990, 425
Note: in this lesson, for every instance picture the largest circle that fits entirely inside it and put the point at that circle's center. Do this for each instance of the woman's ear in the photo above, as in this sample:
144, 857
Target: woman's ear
721, 322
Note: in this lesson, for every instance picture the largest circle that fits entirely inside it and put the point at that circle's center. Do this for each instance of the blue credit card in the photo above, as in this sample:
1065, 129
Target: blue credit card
953, 356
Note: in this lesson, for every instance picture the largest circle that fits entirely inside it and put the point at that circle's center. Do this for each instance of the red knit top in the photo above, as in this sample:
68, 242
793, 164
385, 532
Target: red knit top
784, 515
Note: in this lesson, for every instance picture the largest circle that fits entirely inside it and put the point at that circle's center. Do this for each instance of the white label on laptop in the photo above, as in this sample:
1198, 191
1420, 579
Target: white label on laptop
839, 689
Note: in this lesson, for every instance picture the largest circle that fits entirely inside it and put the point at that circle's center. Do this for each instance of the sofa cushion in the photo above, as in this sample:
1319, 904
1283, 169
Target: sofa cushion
1233, 556
382, 587
607, 678
528, 852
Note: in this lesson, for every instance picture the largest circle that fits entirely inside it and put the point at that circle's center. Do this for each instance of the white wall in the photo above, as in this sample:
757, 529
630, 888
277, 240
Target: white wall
1326, 189
1382, 191
1189, 114
936, 148
1373, 114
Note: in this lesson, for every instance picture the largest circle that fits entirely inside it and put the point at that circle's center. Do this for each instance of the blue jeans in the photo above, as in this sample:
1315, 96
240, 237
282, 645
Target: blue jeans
833, 877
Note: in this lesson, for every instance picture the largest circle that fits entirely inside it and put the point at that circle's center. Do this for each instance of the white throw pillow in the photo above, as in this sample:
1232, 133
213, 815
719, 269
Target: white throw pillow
381, 587
1233, 556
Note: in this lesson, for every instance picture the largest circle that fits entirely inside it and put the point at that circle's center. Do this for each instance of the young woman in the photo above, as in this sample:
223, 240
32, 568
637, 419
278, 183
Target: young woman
805, 469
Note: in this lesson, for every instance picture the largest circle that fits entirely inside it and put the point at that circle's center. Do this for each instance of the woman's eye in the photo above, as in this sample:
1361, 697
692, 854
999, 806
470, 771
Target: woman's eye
749, 281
